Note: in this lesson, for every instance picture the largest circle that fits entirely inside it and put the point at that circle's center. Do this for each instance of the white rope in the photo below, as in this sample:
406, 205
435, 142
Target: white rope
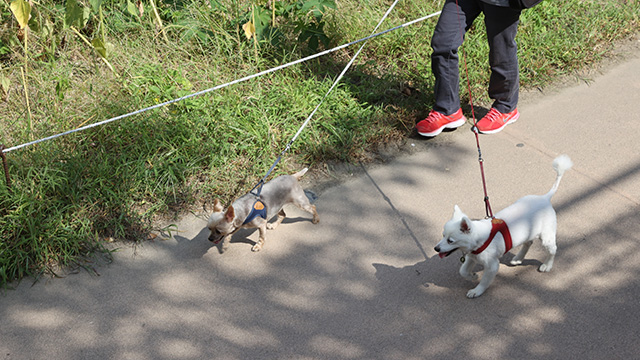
226, 85
340, 76
323, 98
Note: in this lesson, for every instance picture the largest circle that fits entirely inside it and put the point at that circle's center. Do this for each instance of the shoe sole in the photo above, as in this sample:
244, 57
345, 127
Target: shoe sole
452, 125
511, 121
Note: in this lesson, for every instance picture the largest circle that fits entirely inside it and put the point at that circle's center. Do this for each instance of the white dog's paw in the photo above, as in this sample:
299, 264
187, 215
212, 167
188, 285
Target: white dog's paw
474, 293
271, 226
256, 247
515, 262
544, 268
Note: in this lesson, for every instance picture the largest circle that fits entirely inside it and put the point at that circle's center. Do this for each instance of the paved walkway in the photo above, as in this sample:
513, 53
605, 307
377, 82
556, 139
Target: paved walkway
365, 283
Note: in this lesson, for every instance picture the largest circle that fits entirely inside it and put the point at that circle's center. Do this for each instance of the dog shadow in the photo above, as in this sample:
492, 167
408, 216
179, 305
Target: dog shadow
506, 260
292, 220
240, 237
198, 246
434, 271
420, 275
194, 248
243, 236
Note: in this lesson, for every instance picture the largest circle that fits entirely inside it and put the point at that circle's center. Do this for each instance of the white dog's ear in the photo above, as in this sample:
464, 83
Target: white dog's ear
465, 225
217, 206
230, 214
457, 213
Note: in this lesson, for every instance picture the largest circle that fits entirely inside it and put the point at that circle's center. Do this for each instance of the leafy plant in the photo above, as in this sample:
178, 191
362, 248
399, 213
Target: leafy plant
306, 17
22, 11
311, 28
77, 17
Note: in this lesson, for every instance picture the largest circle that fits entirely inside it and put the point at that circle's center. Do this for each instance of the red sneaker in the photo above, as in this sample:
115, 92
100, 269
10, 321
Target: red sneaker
495, 121
436, 122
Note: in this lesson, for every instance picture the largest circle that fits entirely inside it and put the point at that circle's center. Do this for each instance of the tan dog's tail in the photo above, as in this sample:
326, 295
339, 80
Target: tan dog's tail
300, 173
560, 164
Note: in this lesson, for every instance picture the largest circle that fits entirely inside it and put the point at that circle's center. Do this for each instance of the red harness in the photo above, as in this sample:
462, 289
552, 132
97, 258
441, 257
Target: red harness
497, 225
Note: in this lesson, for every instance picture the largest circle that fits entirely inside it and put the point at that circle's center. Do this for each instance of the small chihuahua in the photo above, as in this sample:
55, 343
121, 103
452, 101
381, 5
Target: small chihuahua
520, 223
250, 211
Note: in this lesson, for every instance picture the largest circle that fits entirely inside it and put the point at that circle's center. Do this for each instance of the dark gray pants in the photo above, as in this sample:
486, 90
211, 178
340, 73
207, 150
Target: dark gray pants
502, 25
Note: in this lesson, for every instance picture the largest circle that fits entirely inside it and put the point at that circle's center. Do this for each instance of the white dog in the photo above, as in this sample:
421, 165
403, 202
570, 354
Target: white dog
485, 241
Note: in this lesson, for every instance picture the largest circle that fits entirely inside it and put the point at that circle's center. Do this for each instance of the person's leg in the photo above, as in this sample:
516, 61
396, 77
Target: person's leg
504, 83
456, 18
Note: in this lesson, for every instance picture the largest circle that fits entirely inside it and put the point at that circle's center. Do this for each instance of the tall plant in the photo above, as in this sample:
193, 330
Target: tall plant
22, 11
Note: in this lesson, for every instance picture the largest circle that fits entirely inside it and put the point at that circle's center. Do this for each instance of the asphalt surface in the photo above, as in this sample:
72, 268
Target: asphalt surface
365, 283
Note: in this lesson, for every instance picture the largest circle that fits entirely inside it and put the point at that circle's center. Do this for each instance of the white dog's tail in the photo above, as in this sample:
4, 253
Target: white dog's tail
299, 174
560, 164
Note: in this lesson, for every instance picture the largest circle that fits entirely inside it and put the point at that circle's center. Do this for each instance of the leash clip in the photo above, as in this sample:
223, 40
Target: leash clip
259, 187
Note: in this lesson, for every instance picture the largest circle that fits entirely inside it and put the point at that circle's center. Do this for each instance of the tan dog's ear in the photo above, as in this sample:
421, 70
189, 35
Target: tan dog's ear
217, 206
230, 214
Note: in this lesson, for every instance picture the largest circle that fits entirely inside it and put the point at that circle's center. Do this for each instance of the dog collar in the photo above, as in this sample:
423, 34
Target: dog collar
258, 209
497, 226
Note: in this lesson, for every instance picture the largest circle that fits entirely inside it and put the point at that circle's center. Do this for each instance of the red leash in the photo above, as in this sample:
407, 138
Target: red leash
475, 123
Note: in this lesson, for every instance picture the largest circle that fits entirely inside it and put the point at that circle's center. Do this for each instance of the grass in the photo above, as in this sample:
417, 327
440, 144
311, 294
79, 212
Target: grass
70, 194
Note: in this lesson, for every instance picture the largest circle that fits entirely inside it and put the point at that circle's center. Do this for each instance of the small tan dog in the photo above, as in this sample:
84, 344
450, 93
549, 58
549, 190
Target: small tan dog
251, 211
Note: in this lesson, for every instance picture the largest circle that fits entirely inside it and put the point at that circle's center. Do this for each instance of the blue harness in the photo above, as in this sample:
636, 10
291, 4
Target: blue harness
258, 209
